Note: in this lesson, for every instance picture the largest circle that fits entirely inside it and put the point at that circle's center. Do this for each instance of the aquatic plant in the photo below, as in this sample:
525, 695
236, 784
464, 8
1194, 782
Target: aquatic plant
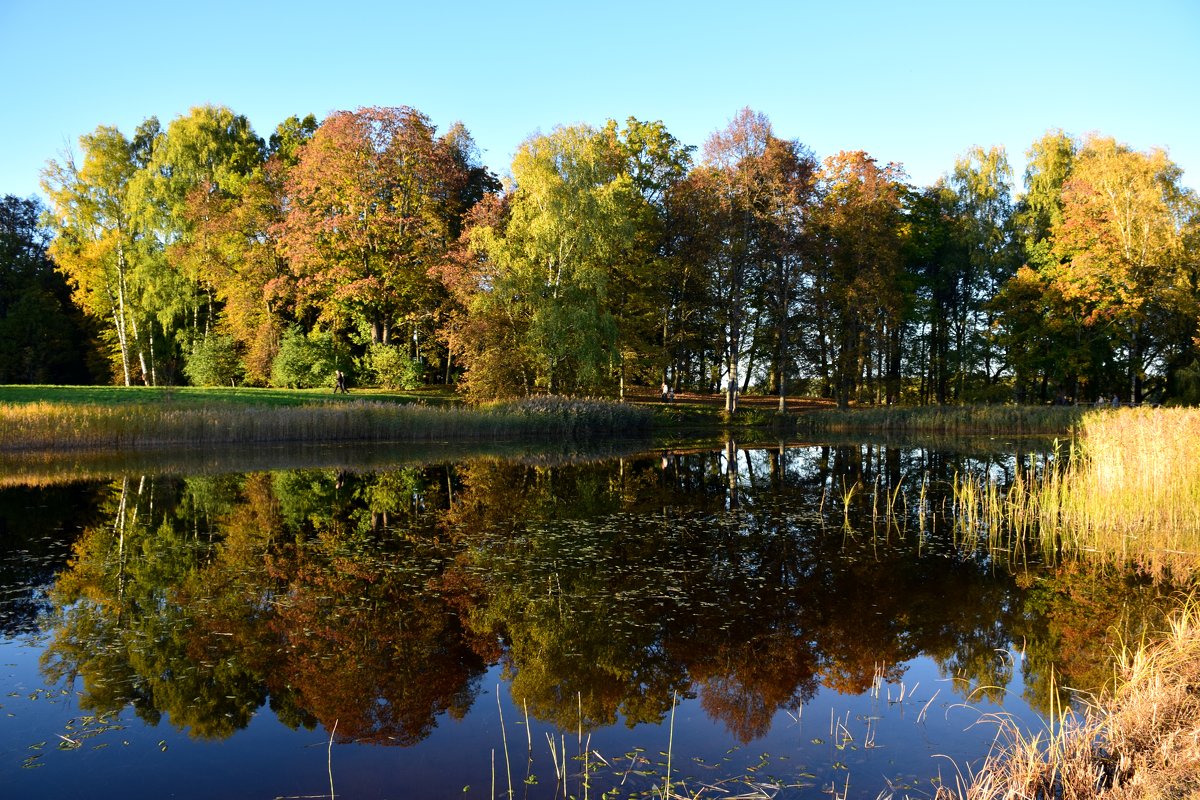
54, 426
1139, 741
946, 419
1128, 487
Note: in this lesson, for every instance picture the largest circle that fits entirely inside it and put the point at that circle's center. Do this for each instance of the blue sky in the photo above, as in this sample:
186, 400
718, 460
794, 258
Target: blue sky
912, 82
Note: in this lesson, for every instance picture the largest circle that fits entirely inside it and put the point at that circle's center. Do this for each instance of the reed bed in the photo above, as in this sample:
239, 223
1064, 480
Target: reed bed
1128, 488
55, 426
1139, 741
948, 420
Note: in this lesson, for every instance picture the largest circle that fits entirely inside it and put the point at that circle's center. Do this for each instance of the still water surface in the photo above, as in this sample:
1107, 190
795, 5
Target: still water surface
796, 621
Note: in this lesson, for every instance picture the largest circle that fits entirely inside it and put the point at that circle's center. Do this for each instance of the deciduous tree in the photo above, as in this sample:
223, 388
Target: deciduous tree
856, 292
372, 200
105, 255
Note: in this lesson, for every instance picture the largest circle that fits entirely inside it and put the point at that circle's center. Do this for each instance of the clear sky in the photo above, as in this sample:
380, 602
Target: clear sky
907, 81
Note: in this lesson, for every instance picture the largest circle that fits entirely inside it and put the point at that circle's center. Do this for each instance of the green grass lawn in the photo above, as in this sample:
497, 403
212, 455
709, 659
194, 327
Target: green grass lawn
196, 396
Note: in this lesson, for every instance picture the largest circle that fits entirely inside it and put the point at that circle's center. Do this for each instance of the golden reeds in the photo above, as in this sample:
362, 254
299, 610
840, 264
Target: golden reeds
53, 426
1128, 489
1139, 741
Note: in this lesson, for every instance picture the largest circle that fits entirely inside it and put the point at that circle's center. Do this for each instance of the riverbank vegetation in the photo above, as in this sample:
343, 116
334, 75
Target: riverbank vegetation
140, 415
1126, 491
1125, 487
130, 425
377, 245
946, 420
1140, 740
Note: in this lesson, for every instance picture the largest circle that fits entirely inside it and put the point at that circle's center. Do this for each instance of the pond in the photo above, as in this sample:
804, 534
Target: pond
793, 620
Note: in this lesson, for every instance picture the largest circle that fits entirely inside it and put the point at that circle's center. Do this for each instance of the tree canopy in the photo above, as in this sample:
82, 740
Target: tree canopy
612, 256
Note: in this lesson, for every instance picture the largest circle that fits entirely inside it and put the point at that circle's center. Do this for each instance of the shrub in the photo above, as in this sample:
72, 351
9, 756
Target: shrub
304, 361
213, 362
389, 368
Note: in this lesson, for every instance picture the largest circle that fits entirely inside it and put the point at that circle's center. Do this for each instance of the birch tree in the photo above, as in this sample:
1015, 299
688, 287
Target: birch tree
99, 247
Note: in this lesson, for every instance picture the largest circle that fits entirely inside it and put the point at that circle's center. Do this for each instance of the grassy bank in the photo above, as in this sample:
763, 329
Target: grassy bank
1139, 741
1128, 488
946, 420
73, 417
207, 396
131, 424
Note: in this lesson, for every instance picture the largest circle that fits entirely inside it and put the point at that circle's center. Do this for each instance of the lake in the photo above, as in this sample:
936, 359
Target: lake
777, 620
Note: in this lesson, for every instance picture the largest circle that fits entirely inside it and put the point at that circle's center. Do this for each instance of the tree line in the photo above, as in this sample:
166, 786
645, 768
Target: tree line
614, 256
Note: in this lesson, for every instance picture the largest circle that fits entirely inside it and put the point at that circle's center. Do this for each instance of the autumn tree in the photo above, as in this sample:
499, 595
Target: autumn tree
855, 294
111, 263
646, 277
731, 160
790, 172
1106, 300
980, 182
203, 161
689, 323
1045, 342
1122, 243
372, 201
234, 247
547, 306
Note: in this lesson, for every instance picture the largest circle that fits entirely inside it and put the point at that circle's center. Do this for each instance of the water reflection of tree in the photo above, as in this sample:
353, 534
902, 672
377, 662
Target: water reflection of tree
200, 599
118, 629
378, 600
35, 525
754, 608
1076, 616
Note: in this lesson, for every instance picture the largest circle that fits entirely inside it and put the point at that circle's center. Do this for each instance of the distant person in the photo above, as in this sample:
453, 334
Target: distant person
339, 382
665, 392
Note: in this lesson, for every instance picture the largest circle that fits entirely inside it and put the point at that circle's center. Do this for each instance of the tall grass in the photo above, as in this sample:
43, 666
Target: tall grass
215, 395
947, 420
1139, 741
55, 426
1128, 487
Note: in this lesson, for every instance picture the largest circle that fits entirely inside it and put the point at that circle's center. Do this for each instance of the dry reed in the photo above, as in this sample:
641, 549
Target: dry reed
1140, 741
54, 426
1128, 488
947, 420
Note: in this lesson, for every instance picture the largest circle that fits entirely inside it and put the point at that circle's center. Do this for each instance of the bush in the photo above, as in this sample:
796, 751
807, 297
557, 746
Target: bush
304, 361
389, 368
213, 362
1188, 381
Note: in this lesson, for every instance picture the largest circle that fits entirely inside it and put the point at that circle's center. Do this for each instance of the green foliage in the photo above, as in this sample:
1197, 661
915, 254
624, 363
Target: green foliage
388, 367
1188, 381
552, 260
575, 275
611, 260
214, 362
304, 361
